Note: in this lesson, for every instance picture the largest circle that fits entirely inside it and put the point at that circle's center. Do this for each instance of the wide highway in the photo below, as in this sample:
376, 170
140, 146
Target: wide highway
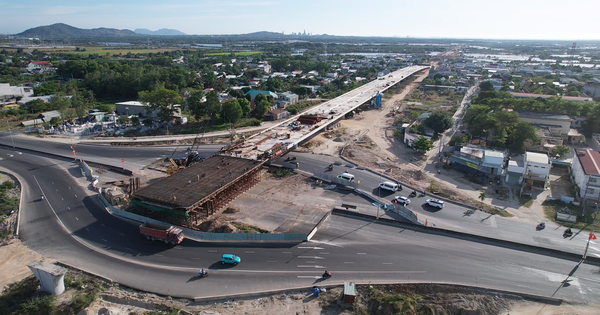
71, 226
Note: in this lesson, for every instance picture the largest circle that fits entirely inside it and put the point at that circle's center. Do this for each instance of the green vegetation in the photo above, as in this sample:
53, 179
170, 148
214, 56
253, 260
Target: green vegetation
245, 228
283, 172
238, 53
551, 207
7, 203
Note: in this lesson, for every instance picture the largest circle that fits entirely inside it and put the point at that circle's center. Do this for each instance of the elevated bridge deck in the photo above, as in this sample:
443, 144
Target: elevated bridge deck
284, 137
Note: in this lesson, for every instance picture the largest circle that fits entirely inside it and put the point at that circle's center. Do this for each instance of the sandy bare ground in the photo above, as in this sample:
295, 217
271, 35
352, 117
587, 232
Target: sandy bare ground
14, 258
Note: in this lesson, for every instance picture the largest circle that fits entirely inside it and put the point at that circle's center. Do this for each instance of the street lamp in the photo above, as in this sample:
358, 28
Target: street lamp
11, 137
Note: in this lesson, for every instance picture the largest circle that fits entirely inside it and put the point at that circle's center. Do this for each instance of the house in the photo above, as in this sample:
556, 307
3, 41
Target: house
409, 138
286, 99
537, 170
278, 113
478, 161
264, 67
586, 175
568, 81
254, 93
559, 125
139, 109
8, 93
566, 98
592, 87
38, 66
515, 170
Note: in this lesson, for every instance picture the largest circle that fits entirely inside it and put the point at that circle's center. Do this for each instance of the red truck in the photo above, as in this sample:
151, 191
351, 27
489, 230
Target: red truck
159, 232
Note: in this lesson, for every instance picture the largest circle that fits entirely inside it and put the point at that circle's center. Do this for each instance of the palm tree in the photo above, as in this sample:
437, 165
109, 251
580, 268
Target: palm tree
482, 195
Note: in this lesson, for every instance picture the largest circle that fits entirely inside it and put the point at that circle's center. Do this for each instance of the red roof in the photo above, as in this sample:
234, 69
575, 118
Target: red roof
41, 62
590, 161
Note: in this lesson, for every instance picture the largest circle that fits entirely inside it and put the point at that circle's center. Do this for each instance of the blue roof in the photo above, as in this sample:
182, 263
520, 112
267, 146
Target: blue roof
253, 93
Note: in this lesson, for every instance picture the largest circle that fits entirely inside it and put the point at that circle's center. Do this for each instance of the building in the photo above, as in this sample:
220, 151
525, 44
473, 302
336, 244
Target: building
537, 170
566, 98
254, 93
38, 66
286, 99
592, 87
279, 113
556, 125
140, 109
586, 175
11, 93
477, 161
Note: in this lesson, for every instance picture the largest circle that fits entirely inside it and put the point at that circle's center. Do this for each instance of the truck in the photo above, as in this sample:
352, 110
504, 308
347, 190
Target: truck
159, 232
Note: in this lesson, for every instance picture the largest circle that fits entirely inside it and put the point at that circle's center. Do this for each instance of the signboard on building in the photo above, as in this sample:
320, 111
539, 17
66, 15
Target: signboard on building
471, 165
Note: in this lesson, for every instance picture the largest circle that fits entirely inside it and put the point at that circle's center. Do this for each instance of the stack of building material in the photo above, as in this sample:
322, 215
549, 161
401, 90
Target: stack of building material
309, 119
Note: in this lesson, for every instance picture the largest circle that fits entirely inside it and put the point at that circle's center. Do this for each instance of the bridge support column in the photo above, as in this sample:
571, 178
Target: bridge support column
51, 276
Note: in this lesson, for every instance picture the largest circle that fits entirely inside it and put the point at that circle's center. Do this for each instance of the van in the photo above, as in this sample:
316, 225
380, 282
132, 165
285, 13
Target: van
346, 176
390, 186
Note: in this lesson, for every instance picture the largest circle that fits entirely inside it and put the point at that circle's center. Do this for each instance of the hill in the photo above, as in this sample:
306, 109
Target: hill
61, 30
162, 31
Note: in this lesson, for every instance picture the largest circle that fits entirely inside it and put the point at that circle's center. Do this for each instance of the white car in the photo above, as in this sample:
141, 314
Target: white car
402, 200
435, 203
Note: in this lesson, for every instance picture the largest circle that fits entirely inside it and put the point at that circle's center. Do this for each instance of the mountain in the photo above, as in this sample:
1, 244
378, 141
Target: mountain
162, 31
61, 30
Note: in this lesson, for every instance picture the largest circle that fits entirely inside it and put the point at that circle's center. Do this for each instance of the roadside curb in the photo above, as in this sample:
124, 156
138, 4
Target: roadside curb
467, 236
314, 230
20, 184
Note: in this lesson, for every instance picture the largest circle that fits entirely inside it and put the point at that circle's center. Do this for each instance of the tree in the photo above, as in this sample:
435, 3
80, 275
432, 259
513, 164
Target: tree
262, 108
482, 195
245, 105
423, 144
231, 112
522, 133
486, 86
80, 104
212, 106
60, 103
194, 104
439, 121
561, 151
160, 100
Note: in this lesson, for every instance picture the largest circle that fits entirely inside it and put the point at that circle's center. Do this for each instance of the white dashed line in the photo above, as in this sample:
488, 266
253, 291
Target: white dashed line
387, 263
249, 252
159, 255
121, 234
361, 253
105, 241
127, 248
348, 262
87, 229
286, 252
76, 218
212, 251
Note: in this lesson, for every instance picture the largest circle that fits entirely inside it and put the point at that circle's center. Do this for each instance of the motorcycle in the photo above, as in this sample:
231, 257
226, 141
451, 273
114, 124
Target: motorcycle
43, 197
326, 275
330, 168
203, 273
567, 233
413, 194
541, 226
421, 194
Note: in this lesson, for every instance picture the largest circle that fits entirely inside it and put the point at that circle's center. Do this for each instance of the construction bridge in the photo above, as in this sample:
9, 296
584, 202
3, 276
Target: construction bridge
199, 190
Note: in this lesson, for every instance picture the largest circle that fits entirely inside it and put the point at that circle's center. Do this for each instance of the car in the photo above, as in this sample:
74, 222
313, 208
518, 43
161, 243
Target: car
390, 186
401, 199
435, 203
230, 259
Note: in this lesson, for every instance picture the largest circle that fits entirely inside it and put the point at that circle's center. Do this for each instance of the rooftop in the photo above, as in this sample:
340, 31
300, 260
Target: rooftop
589, 160
190, 186
536, 157
544, 115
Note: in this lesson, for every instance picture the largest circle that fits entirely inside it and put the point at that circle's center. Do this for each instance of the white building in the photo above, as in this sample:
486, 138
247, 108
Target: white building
10, 93
536, 169
592, 87
139, 109
586, 175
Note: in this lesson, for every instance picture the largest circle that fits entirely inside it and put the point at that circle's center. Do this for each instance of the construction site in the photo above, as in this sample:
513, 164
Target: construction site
192, 194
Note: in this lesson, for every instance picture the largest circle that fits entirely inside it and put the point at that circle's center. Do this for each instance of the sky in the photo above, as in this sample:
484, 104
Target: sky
482, 19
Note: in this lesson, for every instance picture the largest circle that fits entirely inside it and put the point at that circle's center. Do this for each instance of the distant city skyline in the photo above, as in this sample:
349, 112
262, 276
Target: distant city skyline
509, 19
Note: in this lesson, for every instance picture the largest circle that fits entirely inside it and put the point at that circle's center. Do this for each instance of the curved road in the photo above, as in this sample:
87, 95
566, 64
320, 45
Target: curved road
71, 226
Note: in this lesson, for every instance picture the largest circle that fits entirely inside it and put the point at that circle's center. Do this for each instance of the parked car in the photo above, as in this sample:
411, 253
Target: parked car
346, 176
402, 200
435, 203
230, 259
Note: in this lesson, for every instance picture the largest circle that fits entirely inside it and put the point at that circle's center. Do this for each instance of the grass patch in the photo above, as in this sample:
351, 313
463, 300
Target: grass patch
245, 228
583, 222
489, 208
283, 172
231, 210
526, 202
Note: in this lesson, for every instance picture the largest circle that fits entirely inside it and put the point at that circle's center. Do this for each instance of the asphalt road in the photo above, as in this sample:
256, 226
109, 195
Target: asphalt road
70, 225
454, 216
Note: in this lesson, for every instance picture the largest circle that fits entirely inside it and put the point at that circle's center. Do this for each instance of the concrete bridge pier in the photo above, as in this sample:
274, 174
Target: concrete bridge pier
51, 276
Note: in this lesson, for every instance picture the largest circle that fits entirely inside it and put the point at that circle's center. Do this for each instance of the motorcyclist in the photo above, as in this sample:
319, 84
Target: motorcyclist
202, 272
42, 197
326, 274
542, 225
330, 167
568, 231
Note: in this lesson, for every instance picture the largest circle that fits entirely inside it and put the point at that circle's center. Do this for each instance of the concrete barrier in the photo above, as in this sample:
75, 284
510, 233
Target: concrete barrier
314, 230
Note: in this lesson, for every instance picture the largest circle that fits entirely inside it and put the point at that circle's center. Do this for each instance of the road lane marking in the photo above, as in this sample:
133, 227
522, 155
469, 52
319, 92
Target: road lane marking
309, 277
75, 196
311, 247
212, 251
348, 262
159, 255
105, 241
177, 247
310, 257
127, 248
195, 258
387, 263
102, 224
310, 261
69, 208
61, 198
286, 252
69, 187
87, 229
310, 266
361, 253
249, 252
76, 218
271, 261
121, 234
324, 253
